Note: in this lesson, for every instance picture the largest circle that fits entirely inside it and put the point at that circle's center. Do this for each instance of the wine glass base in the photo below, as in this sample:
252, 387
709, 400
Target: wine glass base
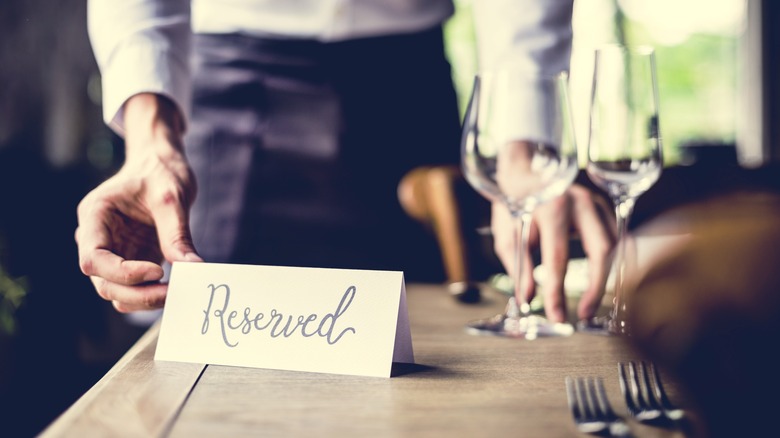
602, 325
527, 327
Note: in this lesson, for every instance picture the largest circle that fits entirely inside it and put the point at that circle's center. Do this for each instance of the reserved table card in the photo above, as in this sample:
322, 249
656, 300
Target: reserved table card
336, 321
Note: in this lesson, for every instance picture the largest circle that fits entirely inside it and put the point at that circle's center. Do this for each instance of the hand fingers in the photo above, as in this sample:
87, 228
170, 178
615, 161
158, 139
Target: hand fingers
131, 298
593, 219
172, 222
93, 240
105, 264
554, 223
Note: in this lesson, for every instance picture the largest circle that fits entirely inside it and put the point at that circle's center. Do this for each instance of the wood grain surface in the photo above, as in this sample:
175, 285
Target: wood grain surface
461, 385
137, 397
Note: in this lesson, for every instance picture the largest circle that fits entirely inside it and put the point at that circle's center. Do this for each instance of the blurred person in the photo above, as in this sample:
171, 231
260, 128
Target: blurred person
705, 307
277, 112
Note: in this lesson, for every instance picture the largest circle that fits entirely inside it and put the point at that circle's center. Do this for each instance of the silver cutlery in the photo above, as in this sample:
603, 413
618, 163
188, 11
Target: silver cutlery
645, 396
591, 409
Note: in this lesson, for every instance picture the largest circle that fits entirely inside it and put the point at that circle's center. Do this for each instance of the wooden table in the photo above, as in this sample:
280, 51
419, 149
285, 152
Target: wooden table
462, 385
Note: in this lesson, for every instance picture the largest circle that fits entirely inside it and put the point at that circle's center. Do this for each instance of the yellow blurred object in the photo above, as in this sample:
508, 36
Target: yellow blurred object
440, 198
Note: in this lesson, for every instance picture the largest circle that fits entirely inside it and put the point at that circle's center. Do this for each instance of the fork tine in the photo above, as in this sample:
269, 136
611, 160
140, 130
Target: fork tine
600, 393
636, 390
593, 399
660, 394
574, 404
625, 390
617, 427
650, 394
585, 400
670, 410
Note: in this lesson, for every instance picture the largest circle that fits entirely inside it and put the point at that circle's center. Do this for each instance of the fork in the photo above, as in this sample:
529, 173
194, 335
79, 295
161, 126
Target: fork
591, 409
646, 400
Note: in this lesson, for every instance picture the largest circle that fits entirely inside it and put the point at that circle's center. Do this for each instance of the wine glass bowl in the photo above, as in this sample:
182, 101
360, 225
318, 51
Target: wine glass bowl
624, 178
519, 149
624, 151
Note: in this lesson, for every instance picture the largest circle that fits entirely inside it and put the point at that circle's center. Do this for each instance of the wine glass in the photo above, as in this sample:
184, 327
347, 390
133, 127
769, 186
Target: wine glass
624, 152
518, 148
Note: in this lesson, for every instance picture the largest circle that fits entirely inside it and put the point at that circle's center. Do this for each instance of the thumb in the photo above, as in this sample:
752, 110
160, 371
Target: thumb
173, 231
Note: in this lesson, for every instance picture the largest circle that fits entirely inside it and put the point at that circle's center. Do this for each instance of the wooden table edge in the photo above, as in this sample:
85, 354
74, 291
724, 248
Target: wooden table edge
97, 395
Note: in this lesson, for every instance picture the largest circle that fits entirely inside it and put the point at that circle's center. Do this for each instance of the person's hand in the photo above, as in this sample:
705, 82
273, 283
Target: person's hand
581, 210
139, 217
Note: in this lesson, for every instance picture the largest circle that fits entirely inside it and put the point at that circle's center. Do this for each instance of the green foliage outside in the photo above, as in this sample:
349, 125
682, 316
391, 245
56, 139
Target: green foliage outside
697, 83
461, 49
12, 293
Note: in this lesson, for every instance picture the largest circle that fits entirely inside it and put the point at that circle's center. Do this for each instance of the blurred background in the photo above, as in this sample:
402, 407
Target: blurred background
57, 337
698, 58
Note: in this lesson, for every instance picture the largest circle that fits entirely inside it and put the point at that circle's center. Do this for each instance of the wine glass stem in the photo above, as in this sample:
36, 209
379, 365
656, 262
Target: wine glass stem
522, 233
623, 209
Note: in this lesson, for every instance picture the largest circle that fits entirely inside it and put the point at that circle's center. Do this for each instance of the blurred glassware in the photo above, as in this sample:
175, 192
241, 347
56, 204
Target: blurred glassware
519, 149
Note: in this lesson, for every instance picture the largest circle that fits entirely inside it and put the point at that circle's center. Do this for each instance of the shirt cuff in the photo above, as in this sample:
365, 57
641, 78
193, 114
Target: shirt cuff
143, 66
531, 35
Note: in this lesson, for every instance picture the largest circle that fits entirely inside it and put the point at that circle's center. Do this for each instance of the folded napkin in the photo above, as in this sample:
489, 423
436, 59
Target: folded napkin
708, 312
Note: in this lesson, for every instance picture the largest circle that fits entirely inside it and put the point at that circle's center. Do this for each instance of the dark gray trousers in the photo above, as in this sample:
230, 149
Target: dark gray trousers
298, 148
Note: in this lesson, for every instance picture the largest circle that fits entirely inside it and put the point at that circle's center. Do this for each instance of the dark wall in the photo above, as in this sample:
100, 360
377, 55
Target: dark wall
770, 63
53, 149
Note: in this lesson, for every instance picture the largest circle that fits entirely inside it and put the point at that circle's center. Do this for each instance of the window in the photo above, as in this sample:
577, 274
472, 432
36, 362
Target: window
697, 46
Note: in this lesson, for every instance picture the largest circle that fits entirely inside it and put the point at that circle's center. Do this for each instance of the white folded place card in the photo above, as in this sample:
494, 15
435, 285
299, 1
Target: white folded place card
338, 321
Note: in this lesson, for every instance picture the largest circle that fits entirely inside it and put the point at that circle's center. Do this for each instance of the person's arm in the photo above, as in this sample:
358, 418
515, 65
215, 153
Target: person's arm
535, 36
139, 217
141, 46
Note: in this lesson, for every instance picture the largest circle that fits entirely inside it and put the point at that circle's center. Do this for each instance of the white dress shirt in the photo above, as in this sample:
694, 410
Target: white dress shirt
144, 45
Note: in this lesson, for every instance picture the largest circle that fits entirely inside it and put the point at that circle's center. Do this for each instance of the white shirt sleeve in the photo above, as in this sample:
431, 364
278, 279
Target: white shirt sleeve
141, 46
534, 34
